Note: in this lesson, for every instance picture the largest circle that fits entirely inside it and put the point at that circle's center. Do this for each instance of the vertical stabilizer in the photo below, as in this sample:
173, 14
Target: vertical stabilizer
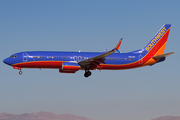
157, 45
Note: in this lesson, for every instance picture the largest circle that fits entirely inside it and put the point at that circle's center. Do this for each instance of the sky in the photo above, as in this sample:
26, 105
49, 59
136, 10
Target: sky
90, 26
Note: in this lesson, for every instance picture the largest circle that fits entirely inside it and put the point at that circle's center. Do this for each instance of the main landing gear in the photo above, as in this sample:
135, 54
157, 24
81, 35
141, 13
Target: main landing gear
87, 73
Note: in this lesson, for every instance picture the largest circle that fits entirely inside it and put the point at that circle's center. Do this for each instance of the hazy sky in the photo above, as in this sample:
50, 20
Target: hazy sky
94, 25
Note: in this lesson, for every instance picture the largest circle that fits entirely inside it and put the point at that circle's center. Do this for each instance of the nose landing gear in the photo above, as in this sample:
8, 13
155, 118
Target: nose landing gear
20, 72
18, 68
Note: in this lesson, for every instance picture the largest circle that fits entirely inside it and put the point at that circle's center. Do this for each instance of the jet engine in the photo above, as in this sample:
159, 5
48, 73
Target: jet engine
69, 67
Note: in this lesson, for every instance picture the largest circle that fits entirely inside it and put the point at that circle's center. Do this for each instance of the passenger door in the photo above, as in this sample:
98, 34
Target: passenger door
25, 57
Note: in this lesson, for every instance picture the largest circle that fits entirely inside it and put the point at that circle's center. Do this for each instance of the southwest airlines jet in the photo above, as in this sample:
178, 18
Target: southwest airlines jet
71, 62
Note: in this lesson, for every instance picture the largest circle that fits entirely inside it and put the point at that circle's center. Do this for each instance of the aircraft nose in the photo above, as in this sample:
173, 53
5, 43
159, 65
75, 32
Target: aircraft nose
7, 61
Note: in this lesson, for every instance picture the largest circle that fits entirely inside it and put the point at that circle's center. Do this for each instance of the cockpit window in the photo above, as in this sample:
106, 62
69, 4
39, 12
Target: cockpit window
13, 56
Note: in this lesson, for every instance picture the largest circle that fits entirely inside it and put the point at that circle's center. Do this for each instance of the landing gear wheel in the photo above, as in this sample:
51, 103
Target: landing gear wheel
20, 72
87, 74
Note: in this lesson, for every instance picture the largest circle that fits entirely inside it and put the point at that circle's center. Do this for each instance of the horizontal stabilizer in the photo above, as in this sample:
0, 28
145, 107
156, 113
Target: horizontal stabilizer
162, 56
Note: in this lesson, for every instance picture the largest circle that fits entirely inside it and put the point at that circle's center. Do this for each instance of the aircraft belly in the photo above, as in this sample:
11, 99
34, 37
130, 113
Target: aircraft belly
40, 64
115, 67
120, 66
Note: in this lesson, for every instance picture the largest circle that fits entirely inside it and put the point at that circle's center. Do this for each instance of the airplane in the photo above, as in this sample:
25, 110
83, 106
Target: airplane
71, 62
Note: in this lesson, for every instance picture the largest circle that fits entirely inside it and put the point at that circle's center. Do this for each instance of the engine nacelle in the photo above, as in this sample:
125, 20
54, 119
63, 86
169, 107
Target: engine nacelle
69, 67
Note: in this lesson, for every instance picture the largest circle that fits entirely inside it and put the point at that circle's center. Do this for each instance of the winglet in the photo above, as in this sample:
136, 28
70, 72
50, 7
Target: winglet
118, 44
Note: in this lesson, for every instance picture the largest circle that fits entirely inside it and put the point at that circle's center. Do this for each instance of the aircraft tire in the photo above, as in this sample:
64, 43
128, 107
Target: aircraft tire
20, 72
87, 74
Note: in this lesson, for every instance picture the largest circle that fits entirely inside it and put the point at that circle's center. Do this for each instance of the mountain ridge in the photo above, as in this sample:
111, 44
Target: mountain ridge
41, 116
167, 118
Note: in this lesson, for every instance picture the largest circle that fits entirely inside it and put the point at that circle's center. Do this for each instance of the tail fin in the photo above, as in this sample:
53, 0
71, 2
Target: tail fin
157, 45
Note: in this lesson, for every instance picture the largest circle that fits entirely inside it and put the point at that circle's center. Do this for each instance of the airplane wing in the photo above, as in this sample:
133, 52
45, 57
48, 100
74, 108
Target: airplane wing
162, 56
95, 61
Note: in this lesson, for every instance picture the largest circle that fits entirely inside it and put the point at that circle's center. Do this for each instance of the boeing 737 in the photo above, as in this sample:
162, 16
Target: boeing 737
71, 62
